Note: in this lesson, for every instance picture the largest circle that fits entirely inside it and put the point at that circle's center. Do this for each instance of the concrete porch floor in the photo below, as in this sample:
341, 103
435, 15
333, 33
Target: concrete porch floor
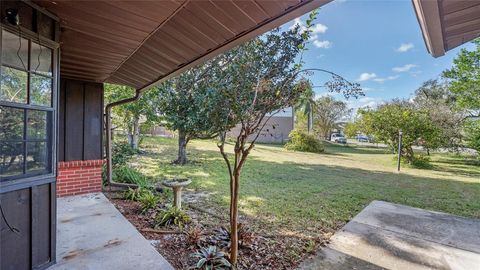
93, 234
392, 236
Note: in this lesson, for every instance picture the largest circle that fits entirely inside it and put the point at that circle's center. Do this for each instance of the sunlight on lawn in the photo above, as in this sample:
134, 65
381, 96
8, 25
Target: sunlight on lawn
308, 192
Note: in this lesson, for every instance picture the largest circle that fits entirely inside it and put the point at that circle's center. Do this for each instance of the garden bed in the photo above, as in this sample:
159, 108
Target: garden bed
264, 249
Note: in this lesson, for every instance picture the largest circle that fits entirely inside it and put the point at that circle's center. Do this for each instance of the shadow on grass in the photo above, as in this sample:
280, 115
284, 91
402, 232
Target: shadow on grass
309, 197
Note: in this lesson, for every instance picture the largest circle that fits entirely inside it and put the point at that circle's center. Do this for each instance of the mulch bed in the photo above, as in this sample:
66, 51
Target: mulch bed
267, 250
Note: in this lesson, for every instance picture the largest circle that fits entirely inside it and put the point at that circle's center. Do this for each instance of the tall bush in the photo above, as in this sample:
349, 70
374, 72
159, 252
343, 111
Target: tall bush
301, 141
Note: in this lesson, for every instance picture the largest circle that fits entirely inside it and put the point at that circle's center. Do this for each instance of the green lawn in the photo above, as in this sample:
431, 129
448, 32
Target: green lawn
305, 192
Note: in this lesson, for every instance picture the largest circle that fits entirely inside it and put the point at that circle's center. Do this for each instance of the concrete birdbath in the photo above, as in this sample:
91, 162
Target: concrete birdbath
177, 186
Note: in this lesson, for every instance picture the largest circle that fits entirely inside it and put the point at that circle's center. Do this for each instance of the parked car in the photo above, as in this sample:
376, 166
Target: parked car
363, 138
338, 138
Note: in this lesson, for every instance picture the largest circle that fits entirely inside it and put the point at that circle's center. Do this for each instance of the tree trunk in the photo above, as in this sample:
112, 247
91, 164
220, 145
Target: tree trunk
409, 154
182, 148
234, 218
309, 122
136, 133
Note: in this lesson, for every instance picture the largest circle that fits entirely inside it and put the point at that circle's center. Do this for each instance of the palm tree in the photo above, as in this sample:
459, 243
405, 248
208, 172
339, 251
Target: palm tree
305, 105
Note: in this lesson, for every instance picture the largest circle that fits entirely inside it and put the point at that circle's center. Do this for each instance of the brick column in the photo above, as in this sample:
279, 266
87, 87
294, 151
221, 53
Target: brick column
79, 177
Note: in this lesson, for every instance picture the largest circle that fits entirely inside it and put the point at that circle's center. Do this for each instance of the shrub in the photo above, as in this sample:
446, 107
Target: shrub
311, 246
421, 162
300, 141
134, 194
121, 153
148, 201
418, 161
245, 237
126, 174
211, 258
194, 236
472, 134
173, 216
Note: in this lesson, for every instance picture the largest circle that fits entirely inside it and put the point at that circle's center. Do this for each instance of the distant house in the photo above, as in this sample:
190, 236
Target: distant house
276, 130
162, 131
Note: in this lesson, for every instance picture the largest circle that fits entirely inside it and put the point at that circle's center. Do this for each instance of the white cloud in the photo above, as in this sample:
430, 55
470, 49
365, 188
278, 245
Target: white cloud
325, 44
389, 78
370, 89
364, 102
366, 76
316, 29
416, 73
404, 68
404, 47
319, 28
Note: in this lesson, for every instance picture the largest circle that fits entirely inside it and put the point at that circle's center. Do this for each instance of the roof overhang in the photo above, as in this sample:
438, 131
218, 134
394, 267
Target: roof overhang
447, 24
141, 43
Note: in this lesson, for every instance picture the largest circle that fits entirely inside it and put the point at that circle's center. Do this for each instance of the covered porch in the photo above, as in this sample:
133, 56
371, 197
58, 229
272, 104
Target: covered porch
55, 57
58, 54
93, 234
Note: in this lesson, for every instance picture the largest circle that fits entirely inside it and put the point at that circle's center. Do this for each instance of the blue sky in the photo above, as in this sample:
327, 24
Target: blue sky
376, 43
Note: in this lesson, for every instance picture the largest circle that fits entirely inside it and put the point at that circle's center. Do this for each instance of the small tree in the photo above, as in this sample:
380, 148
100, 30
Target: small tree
386, 122
350, 130
305, 105
128, 115
472, 128
328, 115
464, 79
435, 98
464, 83
185, 104
255, 81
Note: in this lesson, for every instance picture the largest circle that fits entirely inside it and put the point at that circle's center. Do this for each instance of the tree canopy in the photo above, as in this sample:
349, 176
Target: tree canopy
186, 103
129, 115
464, 79
328, 115
464, 83
385, 122
435, 98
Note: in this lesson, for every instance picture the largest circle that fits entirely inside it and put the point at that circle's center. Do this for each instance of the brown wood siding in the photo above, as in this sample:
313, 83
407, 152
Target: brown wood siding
16, 207
31, 210
80, 120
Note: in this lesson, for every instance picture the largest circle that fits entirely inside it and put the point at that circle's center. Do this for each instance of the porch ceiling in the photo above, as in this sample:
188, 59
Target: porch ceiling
139, 43
447, 24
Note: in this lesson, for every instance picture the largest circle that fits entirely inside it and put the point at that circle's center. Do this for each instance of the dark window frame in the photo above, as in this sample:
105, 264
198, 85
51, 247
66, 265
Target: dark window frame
51, 118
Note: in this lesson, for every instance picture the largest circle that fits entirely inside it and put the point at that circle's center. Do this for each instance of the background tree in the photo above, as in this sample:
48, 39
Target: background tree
435, 98
185, 105
305, 106
128, 116
464, 83
387, 120
254, 80
350, 130
464, 79
329, 113
472, 130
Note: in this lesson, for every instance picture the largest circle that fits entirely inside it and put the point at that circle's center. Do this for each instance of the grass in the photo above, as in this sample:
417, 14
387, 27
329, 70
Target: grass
306, 192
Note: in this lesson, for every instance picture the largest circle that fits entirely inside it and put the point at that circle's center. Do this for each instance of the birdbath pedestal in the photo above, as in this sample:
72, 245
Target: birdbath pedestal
177, 186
